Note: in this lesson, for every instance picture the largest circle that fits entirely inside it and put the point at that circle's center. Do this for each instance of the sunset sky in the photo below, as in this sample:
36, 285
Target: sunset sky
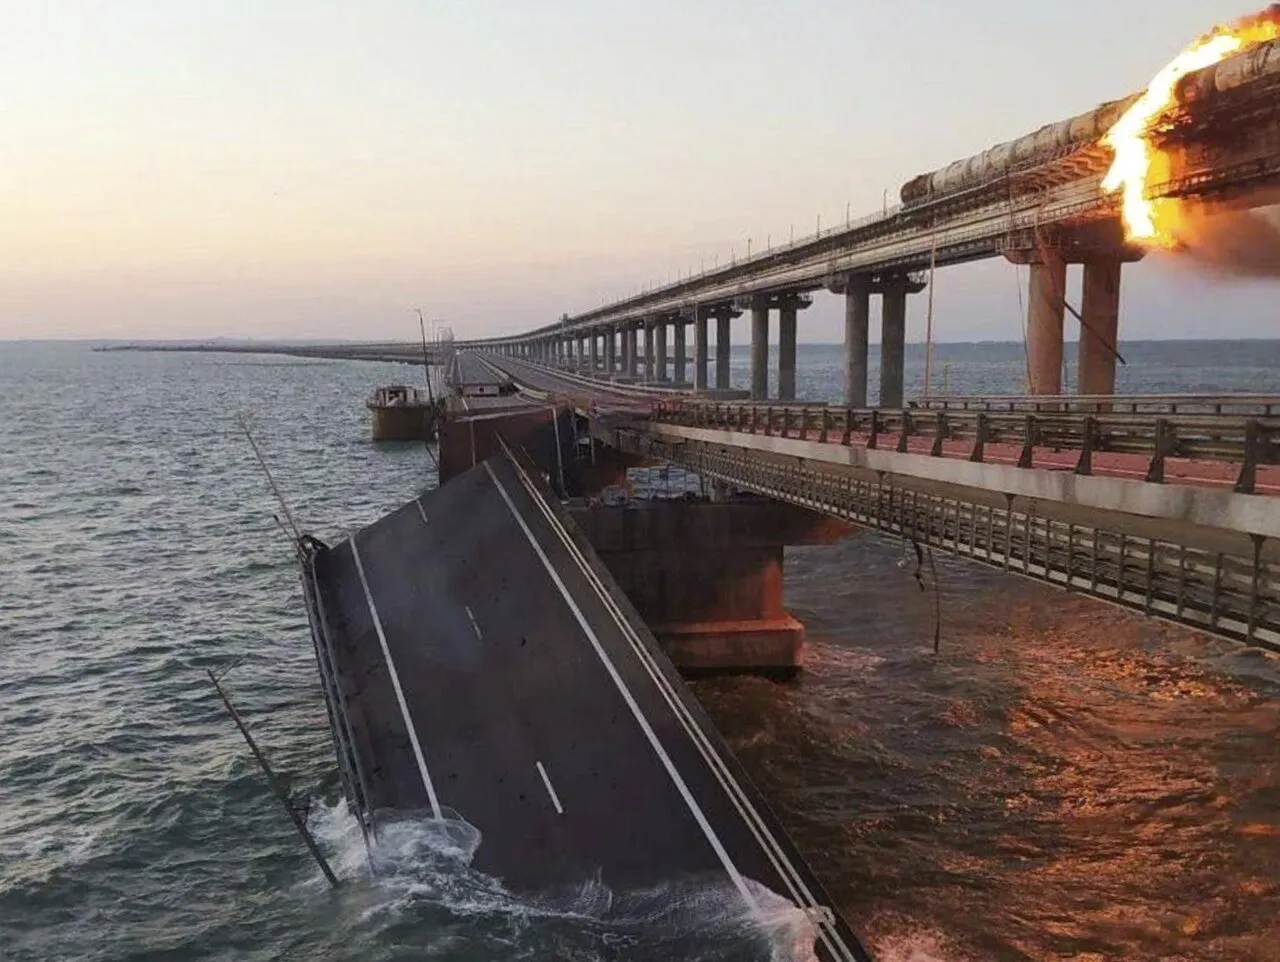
314, 169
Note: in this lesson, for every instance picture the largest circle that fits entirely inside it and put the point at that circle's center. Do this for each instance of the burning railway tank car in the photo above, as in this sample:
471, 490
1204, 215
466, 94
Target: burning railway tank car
1248, 76
1257, 69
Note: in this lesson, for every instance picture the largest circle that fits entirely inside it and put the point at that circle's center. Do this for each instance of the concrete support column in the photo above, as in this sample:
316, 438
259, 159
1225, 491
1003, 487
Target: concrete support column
629, 343
681, 360
759, 351
700, 352
595, 351
648, 350
787, 350
857, 313
723, 342
610, 338
893, 335
1044, 325
1100, 308
660, 342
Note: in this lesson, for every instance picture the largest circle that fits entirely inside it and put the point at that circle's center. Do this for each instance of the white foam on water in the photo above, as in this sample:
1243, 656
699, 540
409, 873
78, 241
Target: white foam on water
425, 862
73, 848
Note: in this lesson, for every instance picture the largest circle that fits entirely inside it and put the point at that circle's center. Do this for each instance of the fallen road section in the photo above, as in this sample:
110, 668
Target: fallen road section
478, 659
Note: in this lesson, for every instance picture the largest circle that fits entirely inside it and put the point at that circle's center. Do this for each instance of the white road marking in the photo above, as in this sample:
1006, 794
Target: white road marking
395, 682
555, 799
421, 511
699, 816
473, 622
781, 862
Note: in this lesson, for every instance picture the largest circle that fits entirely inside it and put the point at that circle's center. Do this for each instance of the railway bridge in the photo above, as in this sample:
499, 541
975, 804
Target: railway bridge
1037, 200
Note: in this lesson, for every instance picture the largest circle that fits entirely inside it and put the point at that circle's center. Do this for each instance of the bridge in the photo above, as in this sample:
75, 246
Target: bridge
500, 655
1166, 505
1036, 200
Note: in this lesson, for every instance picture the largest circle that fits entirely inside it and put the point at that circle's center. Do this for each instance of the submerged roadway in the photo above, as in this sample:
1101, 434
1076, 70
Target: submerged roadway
487, 665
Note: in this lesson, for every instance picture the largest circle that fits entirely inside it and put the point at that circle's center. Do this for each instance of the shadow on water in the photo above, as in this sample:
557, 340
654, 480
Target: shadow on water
1065, 780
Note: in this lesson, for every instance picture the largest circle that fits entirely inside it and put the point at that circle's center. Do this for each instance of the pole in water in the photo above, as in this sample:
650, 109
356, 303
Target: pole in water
275, 488
276, 788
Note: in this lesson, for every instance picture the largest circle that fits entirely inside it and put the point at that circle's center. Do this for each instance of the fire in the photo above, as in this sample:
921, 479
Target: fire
1128, 136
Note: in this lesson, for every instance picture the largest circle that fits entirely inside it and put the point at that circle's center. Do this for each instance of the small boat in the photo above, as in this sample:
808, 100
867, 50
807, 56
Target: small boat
402, 413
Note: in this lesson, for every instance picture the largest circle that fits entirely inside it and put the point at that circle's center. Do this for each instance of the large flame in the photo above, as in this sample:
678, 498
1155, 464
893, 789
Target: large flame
1128, 137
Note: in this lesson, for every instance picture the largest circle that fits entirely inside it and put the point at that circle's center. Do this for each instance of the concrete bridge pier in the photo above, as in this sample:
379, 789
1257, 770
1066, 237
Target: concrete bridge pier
857, 317
648, 349
787, 352
595, 351
610, 359
894, 289
788, 306
630, 350
1045, 312
759, 350
723, 320
700, 322
1100, 307
680, 361
660, 353
1102, 249
707, 577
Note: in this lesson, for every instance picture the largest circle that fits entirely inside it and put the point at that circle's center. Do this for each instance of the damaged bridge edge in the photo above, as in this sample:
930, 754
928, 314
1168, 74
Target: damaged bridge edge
821, 910
350, 772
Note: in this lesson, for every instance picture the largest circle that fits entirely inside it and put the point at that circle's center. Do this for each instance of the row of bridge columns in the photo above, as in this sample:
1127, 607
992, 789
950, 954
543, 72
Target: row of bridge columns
623, 355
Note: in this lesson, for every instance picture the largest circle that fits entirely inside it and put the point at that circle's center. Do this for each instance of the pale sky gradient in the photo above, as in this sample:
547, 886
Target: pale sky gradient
285, 168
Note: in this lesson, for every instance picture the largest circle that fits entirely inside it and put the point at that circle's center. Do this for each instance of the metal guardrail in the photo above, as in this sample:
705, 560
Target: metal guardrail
343, 729
1253, 404
1232, 595
1243, 440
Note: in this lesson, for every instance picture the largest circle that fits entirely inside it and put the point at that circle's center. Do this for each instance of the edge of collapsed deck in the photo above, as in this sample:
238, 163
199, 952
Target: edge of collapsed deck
476, 656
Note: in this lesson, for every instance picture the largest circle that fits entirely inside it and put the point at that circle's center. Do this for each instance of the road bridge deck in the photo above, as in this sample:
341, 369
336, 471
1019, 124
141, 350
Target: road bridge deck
1167, 448
1192, 540
478, 659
